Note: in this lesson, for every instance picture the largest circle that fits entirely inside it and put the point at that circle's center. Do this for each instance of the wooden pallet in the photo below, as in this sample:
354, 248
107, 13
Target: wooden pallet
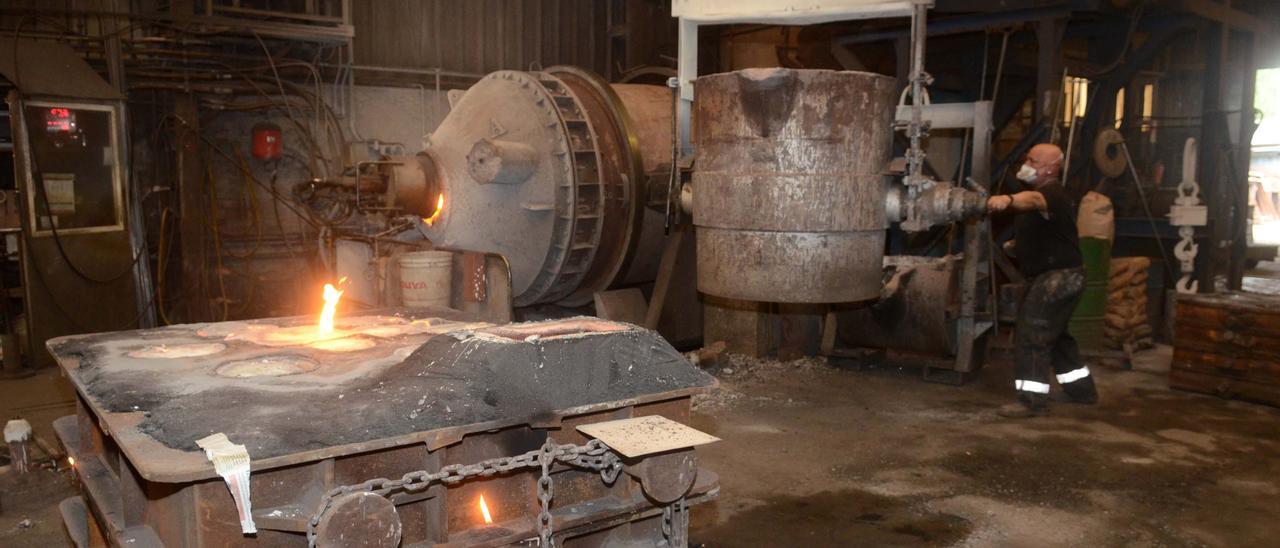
1228, 344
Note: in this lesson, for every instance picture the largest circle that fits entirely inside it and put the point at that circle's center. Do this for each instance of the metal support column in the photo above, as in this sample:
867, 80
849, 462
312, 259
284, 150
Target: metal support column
1239, 170
687, 72
191, 211
1049, 64
1212, 133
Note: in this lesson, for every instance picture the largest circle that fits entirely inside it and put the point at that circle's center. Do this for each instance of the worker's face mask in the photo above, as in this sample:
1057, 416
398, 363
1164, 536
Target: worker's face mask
1026, 173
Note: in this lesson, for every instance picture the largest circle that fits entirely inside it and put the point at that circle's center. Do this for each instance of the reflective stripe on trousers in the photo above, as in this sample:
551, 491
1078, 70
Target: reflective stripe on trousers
1073, 375
1031, 386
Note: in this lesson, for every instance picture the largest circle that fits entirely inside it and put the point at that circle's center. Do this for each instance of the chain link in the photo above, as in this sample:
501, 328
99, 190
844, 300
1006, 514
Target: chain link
594, 455
546, 458
675, 524
667, 512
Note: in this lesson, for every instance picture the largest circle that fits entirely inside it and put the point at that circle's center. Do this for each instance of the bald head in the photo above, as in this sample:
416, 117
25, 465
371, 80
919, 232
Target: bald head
1046, 159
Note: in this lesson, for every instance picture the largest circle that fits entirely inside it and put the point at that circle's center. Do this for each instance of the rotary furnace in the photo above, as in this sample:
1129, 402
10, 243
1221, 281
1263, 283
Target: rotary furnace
551, 170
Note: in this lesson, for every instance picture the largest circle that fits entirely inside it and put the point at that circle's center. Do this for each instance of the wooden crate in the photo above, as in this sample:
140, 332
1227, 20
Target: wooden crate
1228, 344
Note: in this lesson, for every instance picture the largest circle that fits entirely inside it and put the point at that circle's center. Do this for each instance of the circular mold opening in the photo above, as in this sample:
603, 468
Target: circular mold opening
175, 351
389, 331
345, 344
222, 329
269, 366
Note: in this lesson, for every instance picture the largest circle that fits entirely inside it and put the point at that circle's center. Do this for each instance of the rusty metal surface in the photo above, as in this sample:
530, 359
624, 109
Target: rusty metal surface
432, 386
532, 224
51, 69
646, 112
178, 514
480, 36
666, 477
788, 192
413, 183
360, 520
649, 109
618, 175
755, 265
916, 311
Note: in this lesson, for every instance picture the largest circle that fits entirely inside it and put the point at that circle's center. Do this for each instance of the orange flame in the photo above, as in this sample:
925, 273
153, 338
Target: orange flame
331, 296
71, 461
435, 216
484, 510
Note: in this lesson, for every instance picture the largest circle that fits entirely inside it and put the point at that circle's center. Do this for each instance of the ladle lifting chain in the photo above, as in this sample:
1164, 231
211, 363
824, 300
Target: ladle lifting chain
594, 455
675, 524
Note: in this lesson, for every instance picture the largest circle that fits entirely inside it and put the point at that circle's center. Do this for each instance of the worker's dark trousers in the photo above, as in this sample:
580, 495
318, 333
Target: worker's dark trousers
1042, 342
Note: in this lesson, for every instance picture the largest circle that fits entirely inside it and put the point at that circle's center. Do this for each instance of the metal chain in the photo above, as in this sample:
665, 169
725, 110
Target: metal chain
667, 515
682, 530
546, 458
675, 523
594, 455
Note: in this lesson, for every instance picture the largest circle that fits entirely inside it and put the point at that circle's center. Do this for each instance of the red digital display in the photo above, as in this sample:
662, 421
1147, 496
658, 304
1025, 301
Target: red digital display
60, 120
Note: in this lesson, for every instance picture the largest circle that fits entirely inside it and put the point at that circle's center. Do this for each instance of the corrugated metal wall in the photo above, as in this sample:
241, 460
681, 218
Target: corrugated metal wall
480, 36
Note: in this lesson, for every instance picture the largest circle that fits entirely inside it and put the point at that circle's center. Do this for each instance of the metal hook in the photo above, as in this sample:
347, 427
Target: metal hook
1185, 250
1186, 285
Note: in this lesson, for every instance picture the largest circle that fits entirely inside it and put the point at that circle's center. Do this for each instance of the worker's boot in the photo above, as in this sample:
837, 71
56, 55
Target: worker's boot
1081, 391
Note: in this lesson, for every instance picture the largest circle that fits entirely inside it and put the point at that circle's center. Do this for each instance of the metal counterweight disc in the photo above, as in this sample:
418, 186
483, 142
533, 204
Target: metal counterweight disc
359, 520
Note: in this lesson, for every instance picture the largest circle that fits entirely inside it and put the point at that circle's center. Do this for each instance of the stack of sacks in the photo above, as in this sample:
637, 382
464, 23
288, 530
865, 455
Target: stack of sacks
1126, 318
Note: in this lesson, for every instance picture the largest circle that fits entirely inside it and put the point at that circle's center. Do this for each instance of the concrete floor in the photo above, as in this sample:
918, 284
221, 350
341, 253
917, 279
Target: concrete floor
817, 455
836, 455
29, 502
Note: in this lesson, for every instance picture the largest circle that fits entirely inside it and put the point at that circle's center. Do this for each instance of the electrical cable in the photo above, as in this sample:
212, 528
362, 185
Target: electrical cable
986, 61
213, 146
57, 239
280, 84
1134, 19
671, 215
275, 209
1142, 194
995, 86
162, 263
329, 120
211, 185
324, 114
982, 95
40, 191
252, 199
73, 318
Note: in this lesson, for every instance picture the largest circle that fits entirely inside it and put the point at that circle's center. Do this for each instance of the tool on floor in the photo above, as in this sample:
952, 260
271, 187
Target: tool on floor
17, 433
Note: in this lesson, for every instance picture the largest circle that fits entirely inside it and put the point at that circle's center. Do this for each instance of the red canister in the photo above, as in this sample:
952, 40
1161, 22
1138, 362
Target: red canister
266, 141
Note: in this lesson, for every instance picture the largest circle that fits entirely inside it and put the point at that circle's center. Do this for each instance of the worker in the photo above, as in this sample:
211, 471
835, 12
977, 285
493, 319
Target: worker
1048, 252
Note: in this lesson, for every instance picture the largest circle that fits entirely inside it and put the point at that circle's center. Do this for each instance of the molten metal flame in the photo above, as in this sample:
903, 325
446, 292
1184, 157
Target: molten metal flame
331, 296
435, 216
484, 510
71, 461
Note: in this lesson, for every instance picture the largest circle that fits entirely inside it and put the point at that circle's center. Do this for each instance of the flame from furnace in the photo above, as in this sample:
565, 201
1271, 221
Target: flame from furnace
331, 296
484, 510
435, 216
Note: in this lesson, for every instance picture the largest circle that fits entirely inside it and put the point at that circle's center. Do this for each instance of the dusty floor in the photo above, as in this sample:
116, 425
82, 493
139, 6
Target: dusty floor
818, 454
29, 502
